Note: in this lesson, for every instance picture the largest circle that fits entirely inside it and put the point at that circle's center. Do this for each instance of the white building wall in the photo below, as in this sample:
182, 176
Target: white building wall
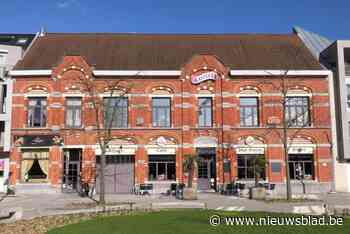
342, 175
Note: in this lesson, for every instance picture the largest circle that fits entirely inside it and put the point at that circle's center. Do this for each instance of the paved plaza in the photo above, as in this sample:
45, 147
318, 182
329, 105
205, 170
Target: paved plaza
28, 206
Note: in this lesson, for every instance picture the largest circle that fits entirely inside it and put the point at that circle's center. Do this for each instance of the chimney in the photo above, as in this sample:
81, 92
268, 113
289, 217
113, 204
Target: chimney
42, 32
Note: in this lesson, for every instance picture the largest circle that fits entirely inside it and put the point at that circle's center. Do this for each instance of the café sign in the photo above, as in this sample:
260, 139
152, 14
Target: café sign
250, 150
161, 150
117, 150
300, 150
196, 79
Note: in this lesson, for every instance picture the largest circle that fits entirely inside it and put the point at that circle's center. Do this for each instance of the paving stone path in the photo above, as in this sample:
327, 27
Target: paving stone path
28, 206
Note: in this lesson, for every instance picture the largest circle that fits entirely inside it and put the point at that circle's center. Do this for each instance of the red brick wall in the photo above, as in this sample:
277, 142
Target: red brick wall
224, 91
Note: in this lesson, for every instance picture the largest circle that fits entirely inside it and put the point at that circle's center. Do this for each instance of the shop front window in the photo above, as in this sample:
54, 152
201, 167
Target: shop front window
301, 166
35, 166
246, 168
161, 167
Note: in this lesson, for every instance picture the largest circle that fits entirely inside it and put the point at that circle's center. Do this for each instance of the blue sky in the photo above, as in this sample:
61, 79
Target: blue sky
328, 18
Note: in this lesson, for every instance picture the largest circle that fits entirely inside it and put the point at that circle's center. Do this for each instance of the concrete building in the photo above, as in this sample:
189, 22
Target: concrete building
12, 47
335, 56
215, 95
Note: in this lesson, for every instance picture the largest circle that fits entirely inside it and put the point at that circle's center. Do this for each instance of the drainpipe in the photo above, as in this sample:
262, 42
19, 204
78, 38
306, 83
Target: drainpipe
182, 80
332, 141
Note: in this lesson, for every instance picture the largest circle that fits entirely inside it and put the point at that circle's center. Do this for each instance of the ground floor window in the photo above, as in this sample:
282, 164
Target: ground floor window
35, 166
301, 166
246, 168
161, 167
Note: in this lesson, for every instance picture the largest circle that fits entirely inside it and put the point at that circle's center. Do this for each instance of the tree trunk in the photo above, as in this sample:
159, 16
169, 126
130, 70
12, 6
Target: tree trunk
257, 177
102, 200
190, 178
285, 141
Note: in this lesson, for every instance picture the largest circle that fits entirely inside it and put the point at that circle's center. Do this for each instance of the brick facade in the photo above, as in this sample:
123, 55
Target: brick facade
184, 135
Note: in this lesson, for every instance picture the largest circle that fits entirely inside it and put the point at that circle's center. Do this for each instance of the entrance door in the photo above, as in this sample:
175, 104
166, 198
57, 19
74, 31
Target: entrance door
71, 171
206, 169
119, 174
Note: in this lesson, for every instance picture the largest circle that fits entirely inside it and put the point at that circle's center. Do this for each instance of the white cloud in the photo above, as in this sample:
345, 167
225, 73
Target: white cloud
66, 3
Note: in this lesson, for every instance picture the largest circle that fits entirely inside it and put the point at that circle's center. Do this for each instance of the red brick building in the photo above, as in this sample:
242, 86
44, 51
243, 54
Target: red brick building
217, 95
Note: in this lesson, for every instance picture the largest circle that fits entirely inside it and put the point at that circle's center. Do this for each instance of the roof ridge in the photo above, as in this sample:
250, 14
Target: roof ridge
167, 34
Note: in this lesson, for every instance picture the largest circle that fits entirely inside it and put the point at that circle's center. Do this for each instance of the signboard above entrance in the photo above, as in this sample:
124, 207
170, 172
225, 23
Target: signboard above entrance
198, 78
39, 141
250, 150
300, 150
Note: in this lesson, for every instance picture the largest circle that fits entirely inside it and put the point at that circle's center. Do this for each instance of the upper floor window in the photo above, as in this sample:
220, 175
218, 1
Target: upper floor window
348, 96
116, 112
347, 61
298, 111
37, 113
73, 112
161, 111
205, 106
249, 114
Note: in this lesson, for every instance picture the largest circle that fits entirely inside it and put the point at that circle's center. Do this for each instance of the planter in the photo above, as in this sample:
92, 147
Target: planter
190, 194
10, 191
257, 193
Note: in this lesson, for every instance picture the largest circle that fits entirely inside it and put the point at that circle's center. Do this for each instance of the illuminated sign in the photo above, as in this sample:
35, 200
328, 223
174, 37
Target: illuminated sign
196, 79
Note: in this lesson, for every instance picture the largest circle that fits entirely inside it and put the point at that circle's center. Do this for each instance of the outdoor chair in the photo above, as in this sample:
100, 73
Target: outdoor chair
146, 189
173, 189
179, 191
230, 189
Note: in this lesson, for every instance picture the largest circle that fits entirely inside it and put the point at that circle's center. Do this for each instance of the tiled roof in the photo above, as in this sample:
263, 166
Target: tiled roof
170, 51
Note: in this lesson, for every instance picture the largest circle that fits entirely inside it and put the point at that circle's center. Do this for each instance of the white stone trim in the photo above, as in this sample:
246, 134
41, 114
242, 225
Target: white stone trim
137, 73
204, 95
65, 95
30, 72
279, 72
161, 95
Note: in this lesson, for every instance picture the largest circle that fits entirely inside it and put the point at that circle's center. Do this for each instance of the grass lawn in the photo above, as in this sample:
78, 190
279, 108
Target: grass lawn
186, 221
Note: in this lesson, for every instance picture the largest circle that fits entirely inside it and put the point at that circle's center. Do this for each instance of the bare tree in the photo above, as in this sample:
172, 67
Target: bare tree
105, 113
288, 127
291, 124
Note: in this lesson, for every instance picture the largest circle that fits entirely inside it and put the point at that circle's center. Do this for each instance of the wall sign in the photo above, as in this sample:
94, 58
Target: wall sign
227, 166
250, 150
39, 140
301, 150
161, 150
196, 79
276, 167
117, 150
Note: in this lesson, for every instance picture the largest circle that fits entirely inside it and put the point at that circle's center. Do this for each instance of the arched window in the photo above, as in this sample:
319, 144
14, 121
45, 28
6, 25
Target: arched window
298, 108
249, 107
161, 107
